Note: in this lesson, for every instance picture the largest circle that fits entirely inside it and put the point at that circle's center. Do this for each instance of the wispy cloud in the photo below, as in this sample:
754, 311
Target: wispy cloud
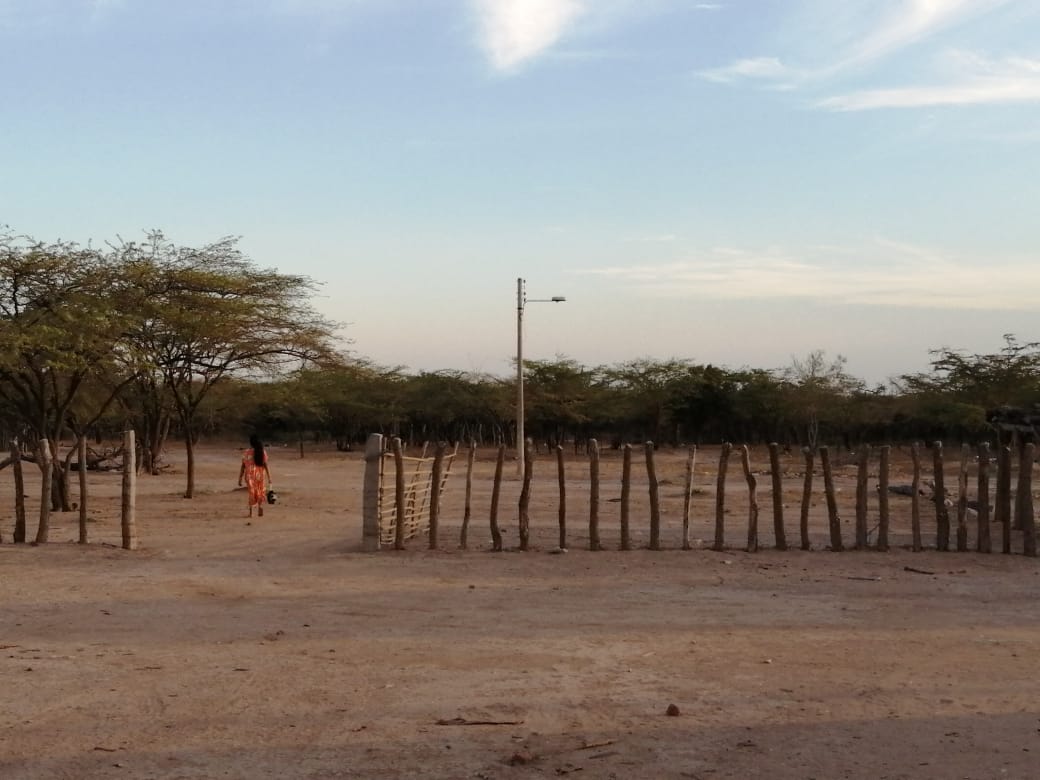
883, 273
1013, 80
760, 68
911, 21
891, 26
513, 32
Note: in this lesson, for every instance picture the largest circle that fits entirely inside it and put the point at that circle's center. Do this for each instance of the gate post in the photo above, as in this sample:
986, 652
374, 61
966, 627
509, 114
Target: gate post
370, 497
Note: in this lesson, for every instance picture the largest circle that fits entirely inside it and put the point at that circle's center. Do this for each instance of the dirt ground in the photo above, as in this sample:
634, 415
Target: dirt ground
229, 647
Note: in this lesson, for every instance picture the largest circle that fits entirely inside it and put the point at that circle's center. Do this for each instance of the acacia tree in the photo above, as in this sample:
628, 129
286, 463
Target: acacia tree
818, 387
564, 395
1010, 377
211, 315
963, 390
63, 311
649, 391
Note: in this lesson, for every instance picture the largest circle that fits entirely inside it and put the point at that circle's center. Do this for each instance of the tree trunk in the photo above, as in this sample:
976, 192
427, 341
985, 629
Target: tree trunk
19, 493
47, 475
189, 446
59, 484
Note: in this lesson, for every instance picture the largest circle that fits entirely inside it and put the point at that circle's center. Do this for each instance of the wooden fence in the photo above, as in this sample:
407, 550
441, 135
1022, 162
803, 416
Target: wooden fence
44, 458
1011, 511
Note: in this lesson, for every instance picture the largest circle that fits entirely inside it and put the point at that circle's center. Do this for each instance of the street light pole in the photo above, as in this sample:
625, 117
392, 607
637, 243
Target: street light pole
521, 303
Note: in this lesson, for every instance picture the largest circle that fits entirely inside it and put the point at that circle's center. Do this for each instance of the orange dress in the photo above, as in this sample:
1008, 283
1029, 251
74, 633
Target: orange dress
256, 482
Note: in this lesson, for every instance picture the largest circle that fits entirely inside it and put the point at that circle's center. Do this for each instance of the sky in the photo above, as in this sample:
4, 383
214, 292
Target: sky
739, 182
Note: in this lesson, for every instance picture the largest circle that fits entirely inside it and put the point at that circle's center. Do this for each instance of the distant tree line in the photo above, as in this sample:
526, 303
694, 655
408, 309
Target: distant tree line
670, 402
190, 342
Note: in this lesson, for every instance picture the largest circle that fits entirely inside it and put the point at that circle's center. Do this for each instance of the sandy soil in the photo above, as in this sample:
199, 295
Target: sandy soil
275, 648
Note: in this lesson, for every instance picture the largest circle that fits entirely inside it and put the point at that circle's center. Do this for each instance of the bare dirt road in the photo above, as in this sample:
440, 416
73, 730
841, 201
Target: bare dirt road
274, 648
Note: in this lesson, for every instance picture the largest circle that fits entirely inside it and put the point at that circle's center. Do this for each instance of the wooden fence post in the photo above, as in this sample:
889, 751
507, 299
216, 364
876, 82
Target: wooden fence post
496, 492
962, 499
915, 498
862, 468
81, 456
1025, 486
1003, 498
400, 498
435, 492
626, 495
982, 541
525, 496
19, 493
779, 533
1018, 509
561, 474
47, 475
833, 519
883, 516
129, 514
752, 483
720, 499
655, 497
803, 525
942, 514
688, 497
594, 543
467, 510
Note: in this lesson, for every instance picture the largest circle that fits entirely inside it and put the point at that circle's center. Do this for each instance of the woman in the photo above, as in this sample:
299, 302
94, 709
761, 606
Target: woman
256, 474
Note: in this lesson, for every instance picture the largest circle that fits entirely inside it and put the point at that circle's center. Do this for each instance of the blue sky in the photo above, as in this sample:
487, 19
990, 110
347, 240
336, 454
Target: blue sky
736, 182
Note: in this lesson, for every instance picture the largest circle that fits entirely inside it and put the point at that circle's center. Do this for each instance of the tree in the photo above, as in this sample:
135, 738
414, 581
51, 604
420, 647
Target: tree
212, 315
963, 391
64, 310
819, 389
1010, 377
705, 404
649, 391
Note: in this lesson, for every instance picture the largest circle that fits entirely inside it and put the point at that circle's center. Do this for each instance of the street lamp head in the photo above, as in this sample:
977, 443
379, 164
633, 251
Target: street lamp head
557, 299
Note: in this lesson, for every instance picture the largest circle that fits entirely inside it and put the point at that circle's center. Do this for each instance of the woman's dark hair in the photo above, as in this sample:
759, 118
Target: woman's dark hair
258, 449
